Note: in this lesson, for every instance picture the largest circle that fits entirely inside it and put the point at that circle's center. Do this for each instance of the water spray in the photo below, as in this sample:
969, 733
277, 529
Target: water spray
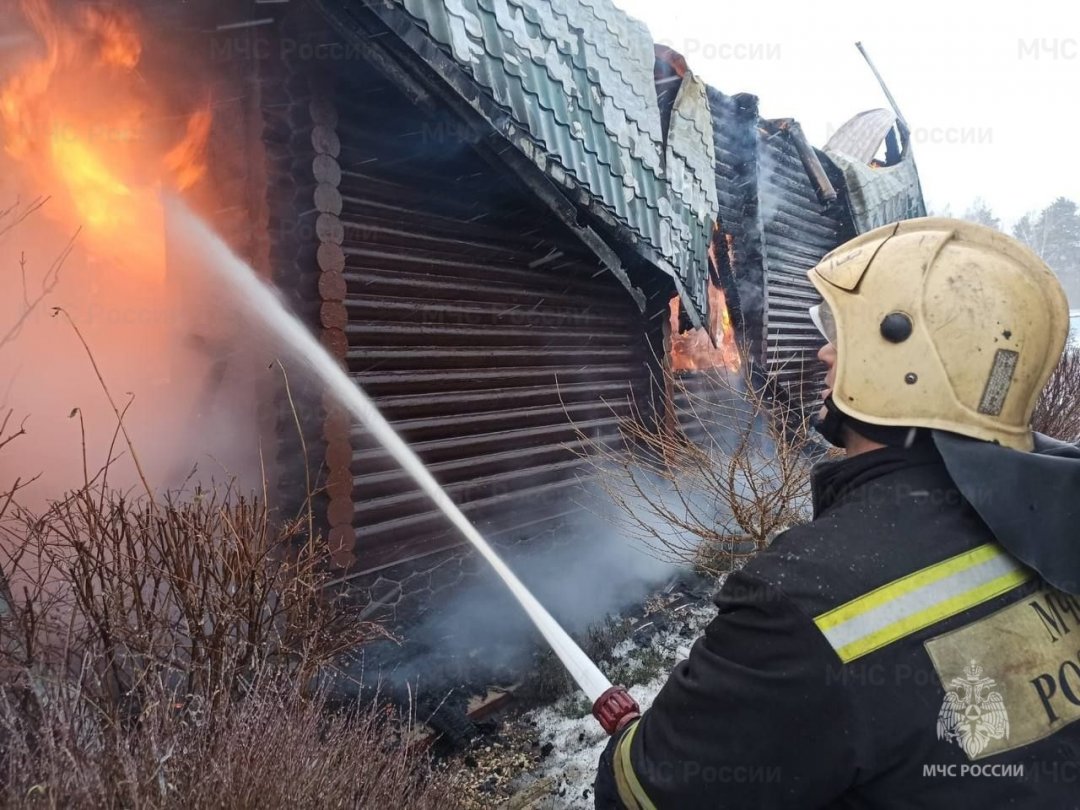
612, 705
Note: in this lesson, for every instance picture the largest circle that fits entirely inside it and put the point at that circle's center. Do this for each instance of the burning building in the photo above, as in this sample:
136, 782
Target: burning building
505, 219
782, 206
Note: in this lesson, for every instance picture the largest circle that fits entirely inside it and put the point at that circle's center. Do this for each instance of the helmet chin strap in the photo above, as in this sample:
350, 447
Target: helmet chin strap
831, 428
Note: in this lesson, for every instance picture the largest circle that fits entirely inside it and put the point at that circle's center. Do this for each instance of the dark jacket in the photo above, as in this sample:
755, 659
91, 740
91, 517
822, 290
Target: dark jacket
888, 654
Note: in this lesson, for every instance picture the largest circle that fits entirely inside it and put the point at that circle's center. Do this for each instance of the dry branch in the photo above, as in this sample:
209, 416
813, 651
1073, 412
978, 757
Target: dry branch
190, 641
715, 500
1057, 413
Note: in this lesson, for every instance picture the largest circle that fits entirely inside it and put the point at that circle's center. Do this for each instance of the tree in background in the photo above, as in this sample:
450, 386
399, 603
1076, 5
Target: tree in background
980, 213
1054, 233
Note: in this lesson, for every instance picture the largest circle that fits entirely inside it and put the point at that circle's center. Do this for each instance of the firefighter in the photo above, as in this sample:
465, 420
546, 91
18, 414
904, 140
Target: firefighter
917, 644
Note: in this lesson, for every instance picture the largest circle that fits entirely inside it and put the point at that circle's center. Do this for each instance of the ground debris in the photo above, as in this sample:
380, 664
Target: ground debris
493, 762
536, 796
543, 755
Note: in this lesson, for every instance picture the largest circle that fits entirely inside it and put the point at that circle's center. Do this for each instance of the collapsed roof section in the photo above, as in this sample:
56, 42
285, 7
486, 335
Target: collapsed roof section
879, 190
570, 85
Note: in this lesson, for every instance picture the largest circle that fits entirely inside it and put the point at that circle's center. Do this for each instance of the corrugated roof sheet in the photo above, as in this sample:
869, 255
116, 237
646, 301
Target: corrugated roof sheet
577, 75
861, 137
877, 195
690, 168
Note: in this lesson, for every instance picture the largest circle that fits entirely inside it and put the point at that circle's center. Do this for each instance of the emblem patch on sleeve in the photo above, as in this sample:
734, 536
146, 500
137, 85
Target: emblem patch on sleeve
1012, 678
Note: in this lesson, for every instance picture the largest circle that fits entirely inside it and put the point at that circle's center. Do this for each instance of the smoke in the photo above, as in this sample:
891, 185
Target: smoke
100, 323
585, 570
167, 358
604, 560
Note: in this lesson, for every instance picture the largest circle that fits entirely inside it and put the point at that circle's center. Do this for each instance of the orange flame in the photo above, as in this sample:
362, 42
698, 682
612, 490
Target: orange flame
86, 129
715, 347
695, 350
185, 160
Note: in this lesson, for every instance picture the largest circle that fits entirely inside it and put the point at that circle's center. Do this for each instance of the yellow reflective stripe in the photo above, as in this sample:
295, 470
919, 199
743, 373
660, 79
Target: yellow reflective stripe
920, 599
932, 615
917, 579
630, 790
626, 795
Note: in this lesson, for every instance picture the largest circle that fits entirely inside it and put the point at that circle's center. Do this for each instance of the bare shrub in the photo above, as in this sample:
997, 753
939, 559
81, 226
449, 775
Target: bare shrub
202, 593
177, 654
1057, 413
180, 653
278, 748
718, 497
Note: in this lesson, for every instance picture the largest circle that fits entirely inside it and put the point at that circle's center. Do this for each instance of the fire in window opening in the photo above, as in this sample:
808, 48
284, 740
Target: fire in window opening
695, 350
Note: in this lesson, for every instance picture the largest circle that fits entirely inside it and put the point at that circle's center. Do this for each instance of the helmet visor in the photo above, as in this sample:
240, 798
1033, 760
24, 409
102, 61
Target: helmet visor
823, 319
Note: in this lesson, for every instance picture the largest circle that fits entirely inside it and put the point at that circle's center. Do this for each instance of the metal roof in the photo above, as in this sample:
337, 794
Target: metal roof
577, 77
877, 195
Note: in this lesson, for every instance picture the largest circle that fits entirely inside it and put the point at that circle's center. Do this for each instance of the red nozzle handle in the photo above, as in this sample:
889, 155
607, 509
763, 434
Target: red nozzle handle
615, 709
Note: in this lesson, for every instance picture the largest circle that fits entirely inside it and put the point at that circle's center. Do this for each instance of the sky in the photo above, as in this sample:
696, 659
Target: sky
991, 91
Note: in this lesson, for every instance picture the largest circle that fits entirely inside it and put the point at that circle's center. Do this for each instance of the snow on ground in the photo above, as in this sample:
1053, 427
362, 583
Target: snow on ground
576, 739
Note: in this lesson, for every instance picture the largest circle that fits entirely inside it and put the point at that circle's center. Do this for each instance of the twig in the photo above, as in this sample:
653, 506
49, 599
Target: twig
693, 501
309, 506
112, 402
3, 428
30, 209
48, 284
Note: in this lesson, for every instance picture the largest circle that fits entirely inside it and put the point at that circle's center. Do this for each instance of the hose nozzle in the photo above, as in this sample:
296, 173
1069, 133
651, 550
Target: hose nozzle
615, 709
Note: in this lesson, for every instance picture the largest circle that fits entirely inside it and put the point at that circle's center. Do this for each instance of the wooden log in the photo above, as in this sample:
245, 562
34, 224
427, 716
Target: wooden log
341, 512
326, 169
335, 342
338, 454
325, 141
342, 545
328, 228
323, 111
332, 286
333, 315
331, 259
327, 199
339, 484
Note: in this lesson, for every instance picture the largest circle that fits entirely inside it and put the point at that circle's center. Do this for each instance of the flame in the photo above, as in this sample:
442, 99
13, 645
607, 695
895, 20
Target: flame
185, 160
716, 347
84, 128
120, 45
729, 248
695, 350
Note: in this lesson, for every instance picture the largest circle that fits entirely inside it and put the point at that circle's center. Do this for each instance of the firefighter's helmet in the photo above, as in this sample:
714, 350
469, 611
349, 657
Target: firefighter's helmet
942, 324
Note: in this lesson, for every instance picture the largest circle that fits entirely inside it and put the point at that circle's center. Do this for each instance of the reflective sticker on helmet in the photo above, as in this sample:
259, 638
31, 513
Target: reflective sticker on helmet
999, 383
